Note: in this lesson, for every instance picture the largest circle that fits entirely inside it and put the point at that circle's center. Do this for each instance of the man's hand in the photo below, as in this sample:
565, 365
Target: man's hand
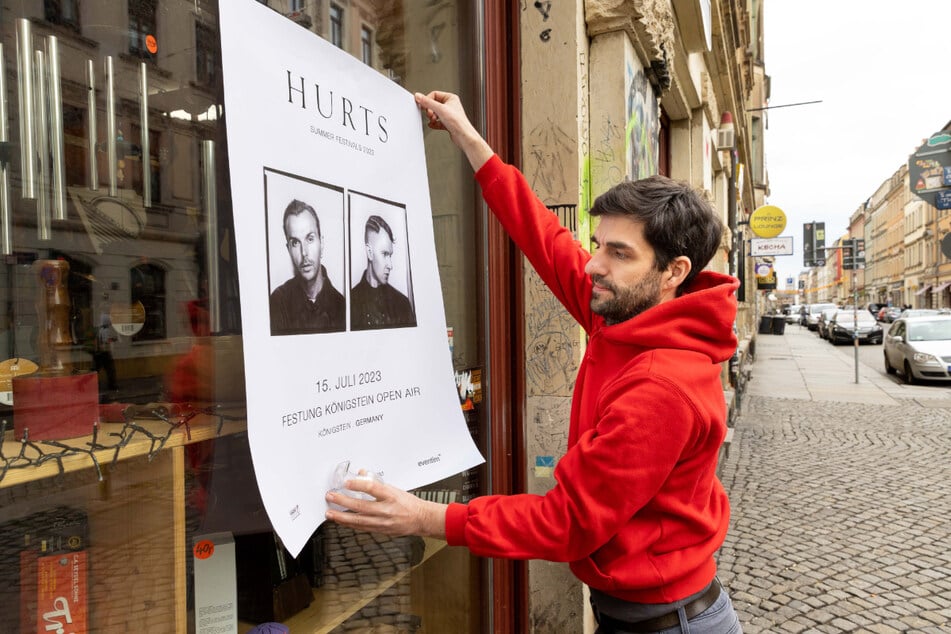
392, 512
445, 112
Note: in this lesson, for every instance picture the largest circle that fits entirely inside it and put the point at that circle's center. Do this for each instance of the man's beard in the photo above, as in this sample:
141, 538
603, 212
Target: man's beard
625, 303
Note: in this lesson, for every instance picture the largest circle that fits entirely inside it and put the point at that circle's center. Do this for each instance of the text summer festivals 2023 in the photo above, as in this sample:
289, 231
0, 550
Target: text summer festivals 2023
342, 405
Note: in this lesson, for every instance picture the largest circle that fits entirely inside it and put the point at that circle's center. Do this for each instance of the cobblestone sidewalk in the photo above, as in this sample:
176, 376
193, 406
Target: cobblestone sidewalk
841, 517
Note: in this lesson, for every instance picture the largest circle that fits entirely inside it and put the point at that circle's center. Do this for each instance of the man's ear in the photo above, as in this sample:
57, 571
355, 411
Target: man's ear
678, 270
369, 251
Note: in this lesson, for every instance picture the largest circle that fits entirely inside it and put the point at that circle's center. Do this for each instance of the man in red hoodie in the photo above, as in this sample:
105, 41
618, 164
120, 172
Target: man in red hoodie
637, 510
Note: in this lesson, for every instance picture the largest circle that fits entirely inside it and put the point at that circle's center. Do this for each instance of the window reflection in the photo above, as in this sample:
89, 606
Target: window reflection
153, 310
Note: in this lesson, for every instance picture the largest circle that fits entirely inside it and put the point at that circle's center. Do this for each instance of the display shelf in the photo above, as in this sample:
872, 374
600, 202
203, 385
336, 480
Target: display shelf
41, 459
328, 610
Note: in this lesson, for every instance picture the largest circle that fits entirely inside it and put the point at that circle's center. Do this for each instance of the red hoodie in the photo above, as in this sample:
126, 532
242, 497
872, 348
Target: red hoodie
637, 509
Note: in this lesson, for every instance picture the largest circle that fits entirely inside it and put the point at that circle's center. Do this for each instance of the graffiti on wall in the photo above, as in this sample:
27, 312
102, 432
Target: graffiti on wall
548, 148
643, 124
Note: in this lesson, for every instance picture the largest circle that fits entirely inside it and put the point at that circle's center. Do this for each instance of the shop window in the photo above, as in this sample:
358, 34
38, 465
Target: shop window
62, 12
147, 287
178, 470
336, 25
142, 22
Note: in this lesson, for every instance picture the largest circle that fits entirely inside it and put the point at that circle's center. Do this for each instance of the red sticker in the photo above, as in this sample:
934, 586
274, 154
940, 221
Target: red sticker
151, 44
204, 549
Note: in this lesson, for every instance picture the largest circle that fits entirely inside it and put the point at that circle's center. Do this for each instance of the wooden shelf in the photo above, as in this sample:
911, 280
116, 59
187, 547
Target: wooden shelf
326, 613
201, 427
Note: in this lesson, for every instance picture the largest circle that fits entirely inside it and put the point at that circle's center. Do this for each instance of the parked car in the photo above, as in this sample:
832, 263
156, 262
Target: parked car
822, 322
793, 313
812, 315
848, 325
919, 348
919, 312
888, 314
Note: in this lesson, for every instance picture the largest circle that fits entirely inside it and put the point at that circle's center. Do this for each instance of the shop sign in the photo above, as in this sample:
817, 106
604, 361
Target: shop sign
767, 221
765, 276
928, 170
782, 245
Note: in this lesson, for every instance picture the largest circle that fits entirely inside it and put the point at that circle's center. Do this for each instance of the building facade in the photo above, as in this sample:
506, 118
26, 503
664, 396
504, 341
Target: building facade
120, 287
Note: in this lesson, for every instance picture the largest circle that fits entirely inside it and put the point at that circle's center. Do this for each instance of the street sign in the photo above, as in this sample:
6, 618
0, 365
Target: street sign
927, 168
782, 245
943, 199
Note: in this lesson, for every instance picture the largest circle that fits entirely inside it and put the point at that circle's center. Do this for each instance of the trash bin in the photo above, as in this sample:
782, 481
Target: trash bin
779, 324
766, 325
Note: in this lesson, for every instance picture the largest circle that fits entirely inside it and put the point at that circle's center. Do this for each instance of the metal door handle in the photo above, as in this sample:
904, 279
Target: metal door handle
111, 126
210, 199
40, 117
92, 135
56, 129
25, 94
6, 224
144, 131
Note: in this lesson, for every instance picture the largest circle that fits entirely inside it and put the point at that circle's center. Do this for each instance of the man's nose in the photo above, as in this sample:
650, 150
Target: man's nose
594, 266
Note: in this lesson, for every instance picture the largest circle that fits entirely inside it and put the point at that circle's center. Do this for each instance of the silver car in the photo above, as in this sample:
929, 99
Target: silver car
919, 348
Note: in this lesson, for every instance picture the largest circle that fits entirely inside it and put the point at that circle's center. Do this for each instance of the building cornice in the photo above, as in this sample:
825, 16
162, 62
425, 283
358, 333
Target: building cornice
649, 25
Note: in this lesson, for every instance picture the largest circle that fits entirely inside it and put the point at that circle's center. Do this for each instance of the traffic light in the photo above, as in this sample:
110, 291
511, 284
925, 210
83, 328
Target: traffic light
853, 254
859, 252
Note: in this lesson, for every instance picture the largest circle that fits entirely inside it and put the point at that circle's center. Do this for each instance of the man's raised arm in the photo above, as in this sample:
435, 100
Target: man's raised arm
445, 112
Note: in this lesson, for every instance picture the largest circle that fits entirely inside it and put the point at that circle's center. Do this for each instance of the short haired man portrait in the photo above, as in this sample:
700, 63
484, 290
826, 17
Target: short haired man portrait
374, 303
307, 302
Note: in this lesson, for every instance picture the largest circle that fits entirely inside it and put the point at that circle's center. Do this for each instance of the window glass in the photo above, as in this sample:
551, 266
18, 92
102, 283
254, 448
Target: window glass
336, 25
119, 296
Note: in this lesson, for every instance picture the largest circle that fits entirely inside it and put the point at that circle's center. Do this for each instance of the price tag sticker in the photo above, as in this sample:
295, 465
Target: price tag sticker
204, 549
9, 369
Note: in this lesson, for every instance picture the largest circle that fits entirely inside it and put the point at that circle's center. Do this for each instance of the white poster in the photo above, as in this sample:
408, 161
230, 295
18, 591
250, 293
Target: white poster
346, 353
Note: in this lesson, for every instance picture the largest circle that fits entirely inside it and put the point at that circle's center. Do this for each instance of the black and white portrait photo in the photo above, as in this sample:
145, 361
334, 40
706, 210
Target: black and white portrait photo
381, 289
306, 256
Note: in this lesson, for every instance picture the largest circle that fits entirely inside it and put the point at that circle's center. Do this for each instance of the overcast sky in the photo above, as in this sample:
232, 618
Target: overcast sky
883, 73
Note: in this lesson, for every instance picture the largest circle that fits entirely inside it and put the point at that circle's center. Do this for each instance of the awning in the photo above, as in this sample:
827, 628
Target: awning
942, 287
923, 290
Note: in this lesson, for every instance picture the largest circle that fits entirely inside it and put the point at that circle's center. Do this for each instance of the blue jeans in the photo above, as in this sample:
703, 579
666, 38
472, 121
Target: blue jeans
719, 618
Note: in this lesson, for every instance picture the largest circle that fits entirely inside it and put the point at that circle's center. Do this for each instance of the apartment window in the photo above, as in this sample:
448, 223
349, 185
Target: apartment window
297, 5
206, 55
64, 12
142, 25
336, 25
147, 287
366, 46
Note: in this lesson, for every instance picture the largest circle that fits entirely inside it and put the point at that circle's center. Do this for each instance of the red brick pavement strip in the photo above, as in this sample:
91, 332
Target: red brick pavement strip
840, 517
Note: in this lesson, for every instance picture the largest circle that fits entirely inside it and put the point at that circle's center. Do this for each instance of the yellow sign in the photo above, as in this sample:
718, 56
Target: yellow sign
767, 221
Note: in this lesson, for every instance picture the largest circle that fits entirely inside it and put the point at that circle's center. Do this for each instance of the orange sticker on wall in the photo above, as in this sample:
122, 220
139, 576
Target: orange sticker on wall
204, 549
151, 44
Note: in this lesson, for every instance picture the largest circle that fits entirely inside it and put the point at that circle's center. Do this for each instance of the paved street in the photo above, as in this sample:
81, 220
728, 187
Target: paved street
841, 496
